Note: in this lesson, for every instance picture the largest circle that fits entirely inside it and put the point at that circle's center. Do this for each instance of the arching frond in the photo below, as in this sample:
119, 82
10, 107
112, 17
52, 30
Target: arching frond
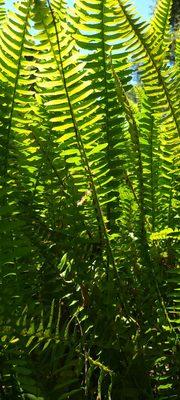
139, 40
89, 201
160, 23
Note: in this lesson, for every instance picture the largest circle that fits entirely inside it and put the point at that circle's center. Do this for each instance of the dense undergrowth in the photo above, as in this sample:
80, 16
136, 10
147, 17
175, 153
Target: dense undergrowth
89, 216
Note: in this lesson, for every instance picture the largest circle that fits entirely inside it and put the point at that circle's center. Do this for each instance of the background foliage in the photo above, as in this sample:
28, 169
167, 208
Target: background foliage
89, 139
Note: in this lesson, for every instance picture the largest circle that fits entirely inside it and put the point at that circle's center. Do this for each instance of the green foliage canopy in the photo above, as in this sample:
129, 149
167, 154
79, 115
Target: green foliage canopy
89, 202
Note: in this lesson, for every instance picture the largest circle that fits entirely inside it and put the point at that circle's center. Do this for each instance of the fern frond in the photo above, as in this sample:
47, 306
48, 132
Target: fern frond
12, 67
150, 148
89, 202
134, 133
2, 12
137, 38
160, 24
82, 156
95, 33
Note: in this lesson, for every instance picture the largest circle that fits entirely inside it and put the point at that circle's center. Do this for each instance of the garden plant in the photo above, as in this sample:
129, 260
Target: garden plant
89, 201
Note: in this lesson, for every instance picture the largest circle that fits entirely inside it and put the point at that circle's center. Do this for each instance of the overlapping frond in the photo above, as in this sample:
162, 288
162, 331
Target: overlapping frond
16, 86
160, 23
158, 84
68, 117
89, 201
95, 34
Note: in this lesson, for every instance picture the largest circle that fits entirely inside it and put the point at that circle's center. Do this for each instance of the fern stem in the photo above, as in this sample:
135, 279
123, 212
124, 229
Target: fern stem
152, 177
106, 97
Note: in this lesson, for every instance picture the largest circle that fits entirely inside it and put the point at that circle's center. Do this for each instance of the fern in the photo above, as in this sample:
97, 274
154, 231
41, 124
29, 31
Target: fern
2, 12
142, 46
89, 202
160, 23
